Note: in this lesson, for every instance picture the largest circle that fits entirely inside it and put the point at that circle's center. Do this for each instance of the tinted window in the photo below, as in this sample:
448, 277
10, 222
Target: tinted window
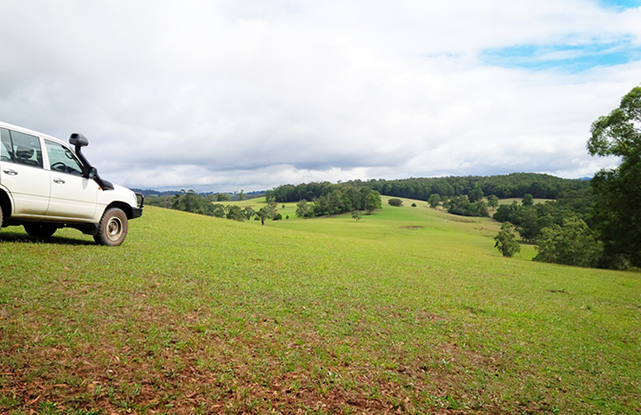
26, 149
62, 159
6, 149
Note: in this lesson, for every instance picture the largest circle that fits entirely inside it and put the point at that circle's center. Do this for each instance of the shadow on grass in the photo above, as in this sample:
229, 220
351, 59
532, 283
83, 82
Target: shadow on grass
16, 237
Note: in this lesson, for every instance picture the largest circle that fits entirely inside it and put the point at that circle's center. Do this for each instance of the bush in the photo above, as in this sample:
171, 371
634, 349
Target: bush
395, 202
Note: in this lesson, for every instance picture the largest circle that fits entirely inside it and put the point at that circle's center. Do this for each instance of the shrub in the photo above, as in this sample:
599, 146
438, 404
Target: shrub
395, 202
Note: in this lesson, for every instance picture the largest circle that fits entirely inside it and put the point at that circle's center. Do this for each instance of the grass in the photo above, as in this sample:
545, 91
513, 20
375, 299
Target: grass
408, 310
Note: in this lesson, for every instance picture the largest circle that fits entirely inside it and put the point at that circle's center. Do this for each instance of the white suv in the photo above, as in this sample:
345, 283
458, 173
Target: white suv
45, 185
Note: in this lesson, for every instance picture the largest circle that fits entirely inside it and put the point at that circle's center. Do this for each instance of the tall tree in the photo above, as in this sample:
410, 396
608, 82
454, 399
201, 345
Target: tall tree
505, 240
476, 194
373, 202
434, 200
493, 201
235, 213
618, 191
303, 209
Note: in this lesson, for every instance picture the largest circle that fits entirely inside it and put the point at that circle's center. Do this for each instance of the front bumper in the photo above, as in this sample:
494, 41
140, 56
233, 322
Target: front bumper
137, 211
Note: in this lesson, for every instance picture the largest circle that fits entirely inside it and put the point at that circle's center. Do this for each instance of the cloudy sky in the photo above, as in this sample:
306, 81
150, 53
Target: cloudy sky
251, 94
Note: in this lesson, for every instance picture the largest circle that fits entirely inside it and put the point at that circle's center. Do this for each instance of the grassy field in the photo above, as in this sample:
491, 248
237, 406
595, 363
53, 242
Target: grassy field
409, 310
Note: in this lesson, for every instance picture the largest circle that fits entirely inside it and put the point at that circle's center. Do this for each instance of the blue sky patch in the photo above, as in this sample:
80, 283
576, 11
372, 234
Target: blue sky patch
621, 4
565, 58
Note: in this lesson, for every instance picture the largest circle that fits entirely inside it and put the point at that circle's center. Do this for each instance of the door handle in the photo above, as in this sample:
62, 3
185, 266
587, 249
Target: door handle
10, 172
59, 181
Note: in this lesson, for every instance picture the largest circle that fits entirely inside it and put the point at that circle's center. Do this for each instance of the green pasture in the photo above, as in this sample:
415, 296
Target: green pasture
408, 310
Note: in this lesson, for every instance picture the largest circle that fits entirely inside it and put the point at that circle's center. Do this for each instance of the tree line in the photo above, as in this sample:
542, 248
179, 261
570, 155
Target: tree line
338, 200
514, 185
190, 201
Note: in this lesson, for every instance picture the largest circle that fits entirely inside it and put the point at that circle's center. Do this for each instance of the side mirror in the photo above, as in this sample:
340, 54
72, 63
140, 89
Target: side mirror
77, 139
92, 173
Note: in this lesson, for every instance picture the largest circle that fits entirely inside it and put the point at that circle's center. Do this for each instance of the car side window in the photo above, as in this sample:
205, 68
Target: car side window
6, 149
62, 159
26, 149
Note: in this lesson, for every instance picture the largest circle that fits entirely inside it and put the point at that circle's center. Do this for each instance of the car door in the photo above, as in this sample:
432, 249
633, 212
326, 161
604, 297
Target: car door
22, 172
72, 195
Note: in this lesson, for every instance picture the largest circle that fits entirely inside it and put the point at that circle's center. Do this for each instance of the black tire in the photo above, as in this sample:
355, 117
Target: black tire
40, 230
113, 227
1, 217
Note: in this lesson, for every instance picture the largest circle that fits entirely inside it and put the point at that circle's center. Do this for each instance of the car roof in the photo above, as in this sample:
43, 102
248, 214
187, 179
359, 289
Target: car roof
31, 132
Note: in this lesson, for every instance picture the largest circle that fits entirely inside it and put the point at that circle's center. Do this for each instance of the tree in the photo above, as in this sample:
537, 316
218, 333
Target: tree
493, 201
223, 197
235, 213
572, 244
303, 210
356, 215
219, 210
395, 202
508, 213
528, 200
618, 191
460, 205
481, 207
267, 212
476, 194
528, 224
434, 200
505, 240
373, 201
241, 195
263, 214
188, 201
249, 212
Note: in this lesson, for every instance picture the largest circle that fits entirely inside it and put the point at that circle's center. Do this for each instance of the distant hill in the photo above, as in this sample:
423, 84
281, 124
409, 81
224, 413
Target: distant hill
233, 196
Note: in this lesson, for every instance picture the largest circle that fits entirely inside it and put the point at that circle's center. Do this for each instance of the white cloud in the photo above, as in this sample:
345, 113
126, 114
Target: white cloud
253, 94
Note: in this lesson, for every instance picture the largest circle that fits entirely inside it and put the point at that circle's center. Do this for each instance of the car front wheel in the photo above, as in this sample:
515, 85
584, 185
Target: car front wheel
112, 228
40, 230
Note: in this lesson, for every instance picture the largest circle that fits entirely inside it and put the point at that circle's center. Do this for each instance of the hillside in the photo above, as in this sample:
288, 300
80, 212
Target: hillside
409, 310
